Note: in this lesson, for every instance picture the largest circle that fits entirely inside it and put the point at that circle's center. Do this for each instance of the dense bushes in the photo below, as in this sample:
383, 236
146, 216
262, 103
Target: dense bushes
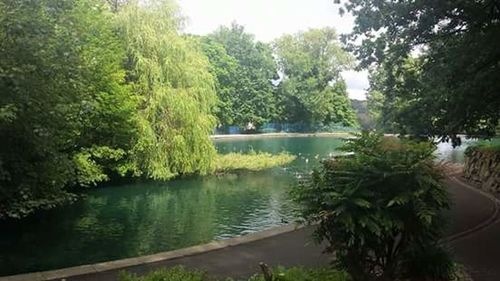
87, 94
380, 210
64, 109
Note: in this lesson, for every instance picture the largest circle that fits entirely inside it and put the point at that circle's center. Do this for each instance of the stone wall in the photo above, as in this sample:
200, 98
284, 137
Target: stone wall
482, 166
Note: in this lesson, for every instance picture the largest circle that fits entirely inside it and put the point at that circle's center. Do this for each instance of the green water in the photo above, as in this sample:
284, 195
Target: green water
115, 222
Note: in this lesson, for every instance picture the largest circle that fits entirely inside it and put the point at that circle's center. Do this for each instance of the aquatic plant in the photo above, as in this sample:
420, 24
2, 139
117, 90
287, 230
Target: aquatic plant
253, 161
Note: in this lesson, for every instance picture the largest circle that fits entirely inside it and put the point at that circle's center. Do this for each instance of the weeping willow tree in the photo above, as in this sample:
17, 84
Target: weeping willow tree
170, 74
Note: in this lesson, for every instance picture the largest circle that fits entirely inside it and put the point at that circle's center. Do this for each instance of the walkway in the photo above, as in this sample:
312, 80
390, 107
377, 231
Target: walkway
476, 243
480, 251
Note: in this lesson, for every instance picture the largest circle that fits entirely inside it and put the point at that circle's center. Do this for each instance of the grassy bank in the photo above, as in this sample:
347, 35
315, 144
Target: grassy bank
492, 145
253, 161
280, 274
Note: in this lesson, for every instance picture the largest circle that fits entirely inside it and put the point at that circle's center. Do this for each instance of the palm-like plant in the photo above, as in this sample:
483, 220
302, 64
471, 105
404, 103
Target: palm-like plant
380, 209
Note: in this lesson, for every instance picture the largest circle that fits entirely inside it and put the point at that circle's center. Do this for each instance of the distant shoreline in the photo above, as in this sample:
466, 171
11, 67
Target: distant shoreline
280, 135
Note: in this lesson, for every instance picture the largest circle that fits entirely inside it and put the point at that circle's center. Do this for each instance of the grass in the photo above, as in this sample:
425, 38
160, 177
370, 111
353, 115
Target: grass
253, 161
492, 145
280, 274
305, 274
179, 273
171, 274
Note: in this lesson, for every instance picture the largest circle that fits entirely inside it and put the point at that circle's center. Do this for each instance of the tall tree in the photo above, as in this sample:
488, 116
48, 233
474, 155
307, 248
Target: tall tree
459, 61
254, 99
312, 88
66, 116
171, 76
225, 69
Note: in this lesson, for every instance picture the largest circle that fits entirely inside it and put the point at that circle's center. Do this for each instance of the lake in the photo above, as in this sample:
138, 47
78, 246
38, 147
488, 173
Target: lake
115, 222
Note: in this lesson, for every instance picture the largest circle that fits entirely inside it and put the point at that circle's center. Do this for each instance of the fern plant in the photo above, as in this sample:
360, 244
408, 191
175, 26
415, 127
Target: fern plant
380, 209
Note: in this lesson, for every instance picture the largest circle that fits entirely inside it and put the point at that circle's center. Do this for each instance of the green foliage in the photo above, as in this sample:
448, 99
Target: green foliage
312, 89
176, 90
253, 161
225, 69
171, 274
247, 88
380, 209
375, 100
396, 106
452, 86
366, 118
63, 92
280, 274
88, 94
305, 274
492, 145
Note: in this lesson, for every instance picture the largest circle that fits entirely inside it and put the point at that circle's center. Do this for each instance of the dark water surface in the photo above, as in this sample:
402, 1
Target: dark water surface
115, 222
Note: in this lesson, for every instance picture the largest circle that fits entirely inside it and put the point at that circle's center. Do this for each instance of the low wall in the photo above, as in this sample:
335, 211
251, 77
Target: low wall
482, 166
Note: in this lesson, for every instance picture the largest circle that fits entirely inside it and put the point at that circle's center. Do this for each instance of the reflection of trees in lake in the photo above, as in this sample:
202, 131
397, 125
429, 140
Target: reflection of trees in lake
138, 219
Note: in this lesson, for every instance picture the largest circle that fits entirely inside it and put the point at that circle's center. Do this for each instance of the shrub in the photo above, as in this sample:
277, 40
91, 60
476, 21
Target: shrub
492, 146
172, 274
380, 210
305, 274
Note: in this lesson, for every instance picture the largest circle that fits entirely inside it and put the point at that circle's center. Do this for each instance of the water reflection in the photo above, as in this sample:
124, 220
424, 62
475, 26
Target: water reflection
144, 218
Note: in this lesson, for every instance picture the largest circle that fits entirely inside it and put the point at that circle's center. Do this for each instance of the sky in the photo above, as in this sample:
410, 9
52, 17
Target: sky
269, 19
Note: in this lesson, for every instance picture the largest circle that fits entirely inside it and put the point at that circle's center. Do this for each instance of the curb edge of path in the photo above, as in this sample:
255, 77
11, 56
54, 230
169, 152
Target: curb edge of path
484, 224
162, 256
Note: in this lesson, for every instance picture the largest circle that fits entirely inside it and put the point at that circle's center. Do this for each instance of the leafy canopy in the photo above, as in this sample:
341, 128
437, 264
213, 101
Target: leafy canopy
312, 89
250, 94
66, 115
225, 70
89, 95
171, 76
457, 62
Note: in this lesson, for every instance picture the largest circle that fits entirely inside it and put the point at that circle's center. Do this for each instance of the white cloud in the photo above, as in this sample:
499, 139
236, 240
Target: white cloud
357, 83
264, 18
356, 94
269, 19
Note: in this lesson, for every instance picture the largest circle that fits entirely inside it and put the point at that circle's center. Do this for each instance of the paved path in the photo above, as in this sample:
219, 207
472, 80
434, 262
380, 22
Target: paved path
475, 240
480, 251
287, 249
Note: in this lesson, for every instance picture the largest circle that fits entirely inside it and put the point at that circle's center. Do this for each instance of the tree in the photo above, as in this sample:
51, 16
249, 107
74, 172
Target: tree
401, 108
458, 60
312, 88
254, 98
225, 69
171, 76
365, 117
66, 116
380, 210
